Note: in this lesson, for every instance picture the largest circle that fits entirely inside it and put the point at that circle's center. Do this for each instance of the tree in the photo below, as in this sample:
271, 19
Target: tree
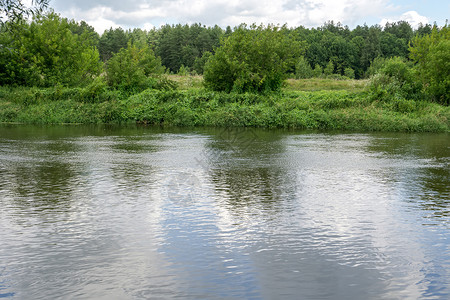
391, 45
350, 73
85, 31
132, 68
423, 29
431, 53
400, 29
303, 69
371, 48
254, 59
183, 44
395, 79
111, 42
199, 63
45, 53
318, 71
329, 69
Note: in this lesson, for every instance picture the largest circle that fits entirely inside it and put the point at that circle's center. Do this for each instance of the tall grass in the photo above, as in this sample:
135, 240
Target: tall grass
332, 109
325, 84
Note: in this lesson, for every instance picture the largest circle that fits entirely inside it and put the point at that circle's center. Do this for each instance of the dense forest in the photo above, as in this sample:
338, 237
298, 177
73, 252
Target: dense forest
42, 54
330, 49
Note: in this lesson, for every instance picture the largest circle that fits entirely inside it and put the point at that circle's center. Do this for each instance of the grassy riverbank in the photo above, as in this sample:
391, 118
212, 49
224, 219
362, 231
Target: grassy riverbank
337, 105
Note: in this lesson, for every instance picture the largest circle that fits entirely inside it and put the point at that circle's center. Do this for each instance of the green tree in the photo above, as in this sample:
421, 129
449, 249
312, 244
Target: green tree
85, 31
254, 59
318, 71
431, 53
372, 47
329, 69
138, 37
46, 53
183, 44
350, 73
395, 79
199, 63
391, 46
303, 69
111, 42
132, 68
400, 29
423, 29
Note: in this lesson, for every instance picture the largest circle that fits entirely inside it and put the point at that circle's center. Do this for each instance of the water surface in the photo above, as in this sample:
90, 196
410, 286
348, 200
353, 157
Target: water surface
143, 212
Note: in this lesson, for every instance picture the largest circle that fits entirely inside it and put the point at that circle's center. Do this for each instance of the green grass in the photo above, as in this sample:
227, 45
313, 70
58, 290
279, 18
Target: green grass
313, 84
323, 84
187, 82
344, 109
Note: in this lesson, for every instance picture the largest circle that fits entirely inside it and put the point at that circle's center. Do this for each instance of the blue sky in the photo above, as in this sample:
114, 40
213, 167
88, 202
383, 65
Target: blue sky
146, 14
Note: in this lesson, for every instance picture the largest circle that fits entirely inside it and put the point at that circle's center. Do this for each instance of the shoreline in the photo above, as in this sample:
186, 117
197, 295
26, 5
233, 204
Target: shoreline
195, 107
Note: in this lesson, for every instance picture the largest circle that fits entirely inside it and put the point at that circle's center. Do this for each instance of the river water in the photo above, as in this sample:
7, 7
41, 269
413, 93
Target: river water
152, 213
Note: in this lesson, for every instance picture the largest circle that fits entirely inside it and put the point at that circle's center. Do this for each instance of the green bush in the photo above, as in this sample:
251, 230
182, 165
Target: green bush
329, 69
349, 73
253, 59
318, 71
46, 53
432, 56
376, 65
395, 80
303, 69
133, 69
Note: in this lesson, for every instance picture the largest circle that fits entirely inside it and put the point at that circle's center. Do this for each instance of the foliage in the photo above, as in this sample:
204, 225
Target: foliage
329, 69
303, 69
111, 42
46, 53
432, 54
341, 110
349, 73
183, 71
133, 68
179, 45
318, 71
395, 80
200, 62
85, 31
252, 59
376, 65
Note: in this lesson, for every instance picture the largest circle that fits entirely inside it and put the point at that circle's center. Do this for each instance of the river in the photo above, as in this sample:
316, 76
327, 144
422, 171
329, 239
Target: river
107, 212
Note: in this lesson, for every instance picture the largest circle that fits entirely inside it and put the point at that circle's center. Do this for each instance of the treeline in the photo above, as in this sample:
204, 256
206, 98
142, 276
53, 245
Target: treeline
329, 49
51, 50
184, 46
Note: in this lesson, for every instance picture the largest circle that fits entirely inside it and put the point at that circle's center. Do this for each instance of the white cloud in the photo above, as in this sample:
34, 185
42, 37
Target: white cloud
412, 17
103, 14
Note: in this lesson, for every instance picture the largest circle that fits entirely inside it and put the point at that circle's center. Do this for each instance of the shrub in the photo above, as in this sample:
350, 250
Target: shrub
432, 55
329, 69
46, 53
318, 71
253, 59
132, 68
303, 69
199, 63
376, 65
395, 80
349, 72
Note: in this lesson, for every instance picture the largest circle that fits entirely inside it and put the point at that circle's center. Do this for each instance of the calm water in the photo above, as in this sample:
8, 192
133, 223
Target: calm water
139, 213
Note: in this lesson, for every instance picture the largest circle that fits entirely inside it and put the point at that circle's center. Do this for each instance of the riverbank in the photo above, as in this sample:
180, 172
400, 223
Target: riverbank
330, 109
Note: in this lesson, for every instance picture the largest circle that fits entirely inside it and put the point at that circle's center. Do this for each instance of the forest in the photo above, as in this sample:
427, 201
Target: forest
51, 57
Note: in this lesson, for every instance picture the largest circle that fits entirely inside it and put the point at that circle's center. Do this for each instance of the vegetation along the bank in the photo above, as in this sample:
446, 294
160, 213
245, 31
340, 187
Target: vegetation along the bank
391, 78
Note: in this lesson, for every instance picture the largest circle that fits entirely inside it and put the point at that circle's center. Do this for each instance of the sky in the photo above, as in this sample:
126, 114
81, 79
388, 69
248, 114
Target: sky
147, 14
